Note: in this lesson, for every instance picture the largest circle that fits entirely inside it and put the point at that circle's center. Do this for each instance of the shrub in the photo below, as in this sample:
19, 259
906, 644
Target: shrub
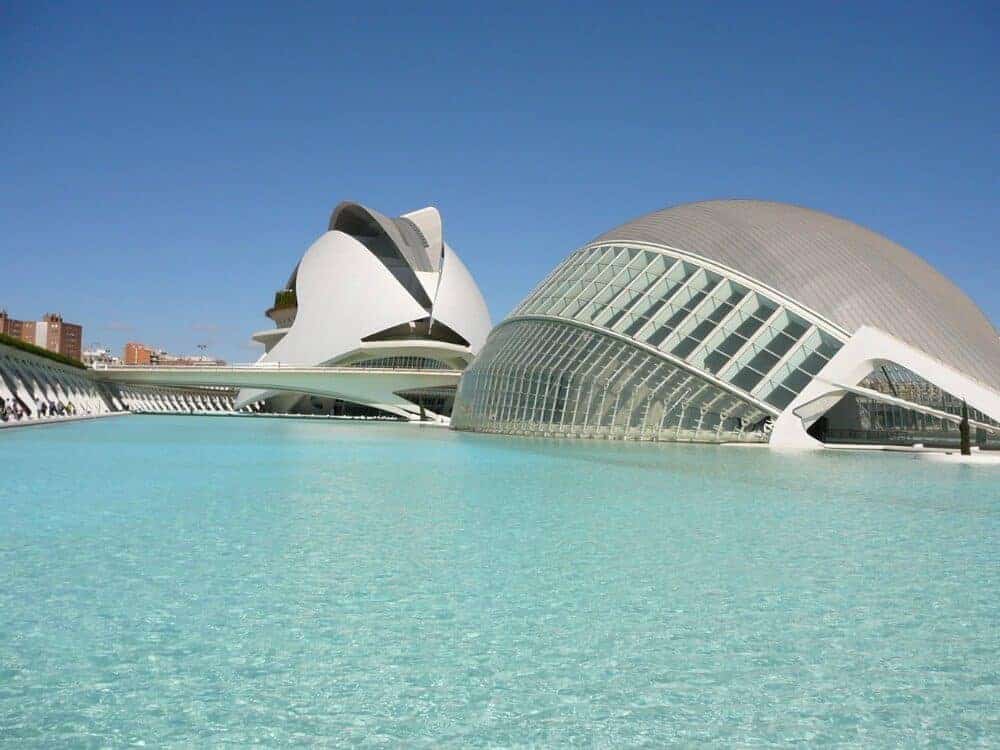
38, 351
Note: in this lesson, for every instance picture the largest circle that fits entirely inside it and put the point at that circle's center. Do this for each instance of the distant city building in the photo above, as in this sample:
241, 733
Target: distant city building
59, 336
51, 332
140, 354
137, 354
9, 326
174, 360
100, 355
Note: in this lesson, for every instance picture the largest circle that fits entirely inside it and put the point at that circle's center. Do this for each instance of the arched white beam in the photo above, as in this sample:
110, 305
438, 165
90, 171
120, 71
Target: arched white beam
45, 381
371, 387
60, 387
865, 351
30, 381
806, 411
21, 387
5, 392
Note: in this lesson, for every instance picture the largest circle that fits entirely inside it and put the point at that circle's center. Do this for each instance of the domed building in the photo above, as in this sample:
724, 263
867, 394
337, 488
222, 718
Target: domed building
374, 292
739, 321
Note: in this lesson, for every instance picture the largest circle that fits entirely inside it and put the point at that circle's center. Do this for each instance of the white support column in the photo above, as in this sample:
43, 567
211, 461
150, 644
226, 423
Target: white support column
45, 380
73, 392
866, 350
23, 391
5, 392
60, 388
31, 385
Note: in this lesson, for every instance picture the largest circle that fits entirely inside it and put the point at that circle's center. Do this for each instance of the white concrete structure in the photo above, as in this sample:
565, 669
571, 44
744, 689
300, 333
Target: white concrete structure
375, 386
744, 321
33, 387
155, 398
36, 388
867, 350
375, 292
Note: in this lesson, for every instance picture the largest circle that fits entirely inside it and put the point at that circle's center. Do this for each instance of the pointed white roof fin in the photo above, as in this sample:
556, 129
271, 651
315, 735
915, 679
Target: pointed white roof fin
428, 221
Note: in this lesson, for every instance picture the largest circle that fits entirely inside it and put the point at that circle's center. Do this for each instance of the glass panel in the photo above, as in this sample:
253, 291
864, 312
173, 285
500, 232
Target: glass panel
780, 397
714, 323
868, 419
547, 378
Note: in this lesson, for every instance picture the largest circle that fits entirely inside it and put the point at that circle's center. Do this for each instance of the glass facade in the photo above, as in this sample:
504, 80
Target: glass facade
400, 363
689, 312
861, 419
537, 377
436, 399
624, 341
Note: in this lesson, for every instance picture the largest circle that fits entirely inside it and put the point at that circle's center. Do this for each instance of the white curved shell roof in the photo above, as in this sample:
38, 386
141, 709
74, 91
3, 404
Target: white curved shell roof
369, 273
844, 272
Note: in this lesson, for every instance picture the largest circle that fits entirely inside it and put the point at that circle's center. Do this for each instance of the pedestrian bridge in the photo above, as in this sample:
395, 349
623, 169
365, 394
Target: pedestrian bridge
370, 386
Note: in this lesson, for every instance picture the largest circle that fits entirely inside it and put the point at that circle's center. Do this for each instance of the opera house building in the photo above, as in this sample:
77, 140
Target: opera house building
739, 321
381, 293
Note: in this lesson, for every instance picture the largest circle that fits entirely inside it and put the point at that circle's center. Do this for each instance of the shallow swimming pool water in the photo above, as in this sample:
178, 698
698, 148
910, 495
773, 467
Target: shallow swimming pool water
197, 581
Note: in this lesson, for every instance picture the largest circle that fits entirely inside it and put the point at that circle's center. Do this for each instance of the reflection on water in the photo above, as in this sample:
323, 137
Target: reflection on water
199, 581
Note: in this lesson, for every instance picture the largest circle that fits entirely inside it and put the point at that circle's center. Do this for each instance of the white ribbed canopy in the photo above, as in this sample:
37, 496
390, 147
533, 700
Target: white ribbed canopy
844, 272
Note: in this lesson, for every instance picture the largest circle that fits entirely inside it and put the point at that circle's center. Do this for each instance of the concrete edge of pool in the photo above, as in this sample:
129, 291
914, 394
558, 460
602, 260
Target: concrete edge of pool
943, 455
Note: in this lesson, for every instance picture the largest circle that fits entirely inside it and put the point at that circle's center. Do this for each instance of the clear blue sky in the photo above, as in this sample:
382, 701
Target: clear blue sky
164, 165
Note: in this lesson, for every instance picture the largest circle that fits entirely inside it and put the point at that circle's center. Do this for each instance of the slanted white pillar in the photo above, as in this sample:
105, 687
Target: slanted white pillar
46, 383
59, 384
864, 352
23, 391
84, 403
5, 392
32, 386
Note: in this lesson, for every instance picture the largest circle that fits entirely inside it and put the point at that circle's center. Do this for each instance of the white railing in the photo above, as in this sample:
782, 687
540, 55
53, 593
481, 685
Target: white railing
205, 366
267, 366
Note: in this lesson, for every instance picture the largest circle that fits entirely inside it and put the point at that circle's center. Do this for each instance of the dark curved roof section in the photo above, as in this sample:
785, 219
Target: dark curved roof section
848, 274
419, 330
358, 221
402, 255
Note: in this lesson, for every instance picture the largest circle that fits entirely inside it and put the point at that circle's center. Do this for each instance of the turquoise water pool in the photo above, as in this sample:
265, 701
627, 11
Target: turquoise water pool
198, 581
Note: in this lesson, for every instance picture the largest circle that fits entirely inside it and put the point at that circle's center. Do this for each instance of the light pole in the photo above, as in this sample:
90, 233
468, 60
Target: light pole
964, 433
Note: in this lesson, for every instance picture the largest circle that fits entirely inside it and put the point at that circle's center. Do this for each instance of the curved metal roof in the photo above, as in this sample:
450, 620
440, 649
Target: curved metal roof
844, 272
355, 219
